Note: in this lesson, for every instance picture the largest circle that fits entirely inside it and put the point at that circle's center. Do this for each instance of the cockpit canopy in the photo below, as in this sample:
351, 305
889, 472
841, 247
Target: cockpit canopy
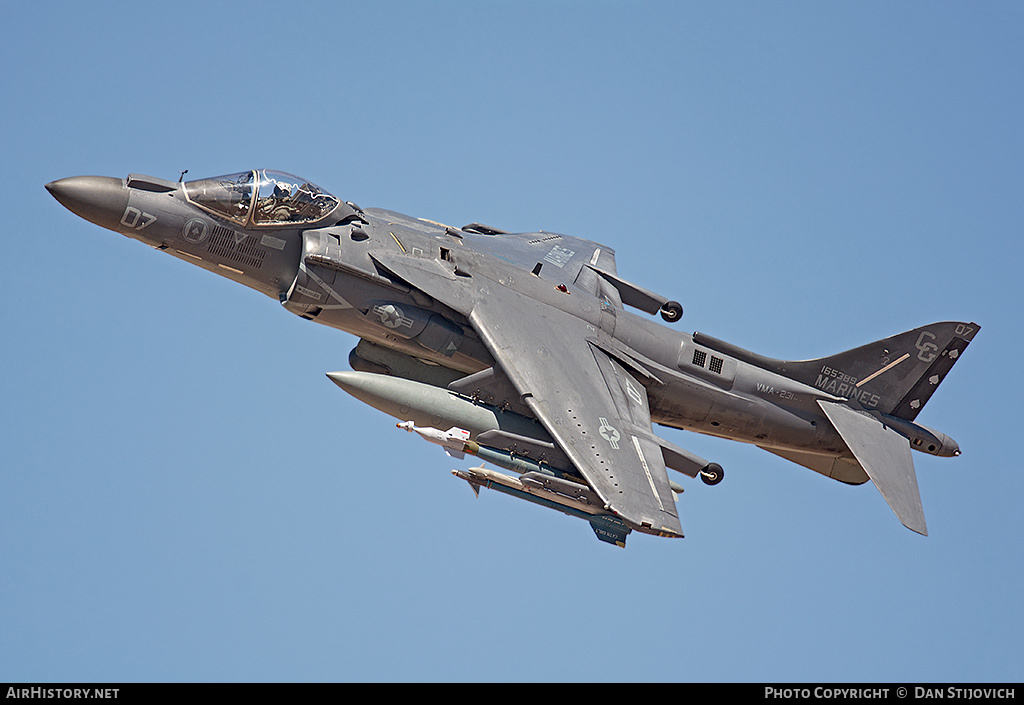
262, 198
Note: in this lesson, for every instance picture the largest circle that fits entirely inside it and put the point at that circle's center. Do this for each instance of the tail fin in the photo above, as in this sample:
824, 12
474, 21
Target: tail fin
896, 375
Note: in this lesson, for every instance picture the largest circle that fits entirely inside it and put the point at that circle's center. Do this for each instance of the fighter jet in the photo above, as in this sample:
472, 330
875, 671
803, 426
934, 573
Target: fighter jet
521, 349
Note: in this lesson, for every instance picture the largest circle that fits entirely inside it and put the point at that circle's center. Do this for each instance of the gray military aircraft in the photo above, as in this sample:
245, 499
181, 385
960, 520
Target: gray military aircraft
518, 348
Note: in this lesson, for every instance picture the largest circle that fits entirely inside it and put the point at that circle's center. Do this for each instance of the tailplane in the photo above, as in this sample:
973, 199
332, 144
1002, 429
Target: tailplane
885, 456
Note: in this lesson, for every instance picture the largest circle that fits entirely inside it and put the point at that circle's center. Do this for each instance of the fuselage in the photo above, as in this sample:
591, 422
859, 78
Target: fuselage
327, 263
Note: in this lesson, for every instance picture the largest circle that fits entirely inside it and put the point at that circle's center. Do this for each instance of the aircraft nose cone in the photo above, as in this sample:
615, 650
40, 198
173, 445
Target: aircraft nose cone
98, 199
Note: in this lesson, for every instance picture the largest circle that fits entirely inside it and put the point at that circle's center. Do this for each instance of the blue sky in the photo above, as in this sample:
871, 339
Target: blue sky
185, 497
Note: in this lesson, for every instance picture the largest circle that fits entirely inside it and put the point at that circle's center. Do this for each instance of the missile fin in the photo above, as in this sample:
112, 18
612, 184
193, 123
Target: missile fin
465, 476
610, 530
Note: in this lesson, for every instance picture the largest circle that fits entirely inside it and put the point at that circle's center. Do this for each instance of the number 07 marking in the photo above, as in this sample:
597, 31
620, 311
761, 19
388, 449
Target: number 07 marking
135, 219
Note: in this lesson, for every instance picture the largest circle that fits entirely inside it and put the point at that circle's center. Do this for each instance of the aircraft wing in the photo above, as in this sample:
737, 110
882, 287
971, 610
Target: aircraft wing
595, 410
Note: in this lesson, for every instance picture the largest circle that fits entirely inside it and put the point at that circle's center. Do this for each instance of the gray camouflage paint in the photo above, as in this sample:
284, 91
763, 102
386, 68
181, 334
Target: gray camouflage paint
534, 325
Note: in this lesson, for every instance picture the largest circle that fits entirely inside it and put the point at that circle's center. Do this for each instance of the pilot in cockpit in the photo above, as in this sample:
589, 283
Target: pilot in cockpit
282, 191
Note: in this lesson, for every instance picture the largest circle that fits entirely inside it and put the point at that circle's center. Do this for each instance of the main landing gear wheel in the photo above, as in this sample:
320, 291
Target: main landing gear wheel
672, 311
712, 474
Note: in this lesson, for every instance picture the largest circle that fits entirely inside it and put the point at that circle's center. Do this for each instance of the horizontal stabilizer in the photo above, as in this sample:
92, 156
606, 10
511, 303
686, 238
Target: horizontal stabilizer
885, 457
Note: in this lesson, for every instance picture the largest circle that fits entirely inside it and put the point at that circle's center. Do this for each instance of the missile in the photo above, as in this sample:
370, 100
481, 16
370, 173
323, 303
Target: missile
607, 527
453, 440
538, 482
566, 495
536, 478
456, 443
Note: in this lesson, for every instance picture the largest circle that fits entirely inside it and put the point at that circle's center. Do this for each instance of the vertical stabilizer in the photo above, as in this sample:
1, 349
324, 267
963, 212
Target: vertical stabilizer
896, 375
885, 457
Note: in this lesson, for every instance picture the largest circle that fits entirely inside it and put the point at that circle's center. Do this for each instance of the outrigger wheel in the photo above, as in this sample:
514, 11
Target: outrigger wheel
672, 311
712, 474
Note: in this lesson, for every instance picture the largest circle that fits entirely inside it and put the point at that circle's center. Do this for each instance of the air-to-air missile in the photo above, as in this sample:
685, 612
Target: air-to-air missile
538, 482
